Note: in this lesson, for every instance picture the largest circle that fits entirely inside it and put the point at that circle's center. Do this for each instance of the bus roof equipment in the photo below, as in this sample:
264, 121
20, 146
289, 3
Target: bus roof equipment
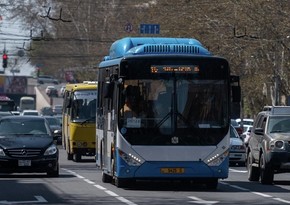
141, 45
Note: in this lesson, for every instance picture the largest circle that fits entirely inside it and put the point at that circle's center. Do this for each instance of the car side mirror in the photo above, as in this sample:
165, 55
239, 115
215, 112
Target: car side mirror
259, 131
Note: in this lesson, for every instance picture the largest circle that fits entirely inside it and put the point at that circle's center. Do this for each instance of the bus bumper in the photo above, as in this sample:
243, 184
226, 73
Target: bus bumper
171, 170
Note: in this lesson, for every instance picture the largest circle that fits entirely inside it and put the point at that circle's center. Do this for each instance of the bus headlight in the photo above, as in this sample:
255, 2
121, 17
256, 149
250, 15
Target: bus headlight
130, 159
217, 159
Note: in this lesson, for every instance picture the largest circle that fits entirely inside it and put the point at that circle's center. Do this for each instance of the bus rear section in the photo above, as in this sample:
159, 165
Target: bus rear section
27, 103
163, 112
79, 115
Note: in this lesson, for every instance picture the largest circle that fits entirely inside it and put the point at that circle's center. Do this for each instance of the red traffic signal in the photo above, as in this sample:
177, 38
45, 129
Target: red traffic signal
5, 57
4, 62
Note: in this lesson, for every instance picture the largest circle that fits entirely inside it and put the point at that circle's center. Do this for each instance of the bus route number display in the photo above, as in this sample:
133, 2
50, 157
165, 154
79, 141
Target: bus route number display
174, 69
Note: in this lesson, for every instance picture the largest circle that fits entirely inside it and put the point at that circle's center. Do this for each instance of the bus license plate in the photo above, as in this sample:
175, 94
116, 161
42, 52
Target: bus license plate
172, 170
24, 163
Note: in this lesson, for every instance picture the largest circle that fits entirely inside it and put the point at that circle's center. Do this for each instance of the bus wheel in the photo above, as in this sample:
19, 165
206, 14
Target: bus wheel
124, 183
77, 157
69, 156
106, 178
212, 184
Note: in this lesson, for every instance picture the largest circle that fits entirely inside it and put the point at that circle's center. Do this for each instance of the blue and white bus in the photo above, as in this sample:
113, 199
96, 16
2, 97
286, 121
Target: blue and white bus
163, 112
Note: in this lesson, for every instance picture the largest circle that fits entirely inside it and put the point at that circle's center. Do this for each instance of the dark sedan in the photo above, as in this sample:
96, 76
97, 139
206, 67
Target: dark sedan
27, 145
55, 127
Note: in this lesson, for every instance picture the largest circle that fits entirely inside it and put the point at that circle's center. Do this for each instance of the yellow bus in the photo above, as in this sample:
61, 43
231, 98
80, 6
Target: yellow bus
79, 120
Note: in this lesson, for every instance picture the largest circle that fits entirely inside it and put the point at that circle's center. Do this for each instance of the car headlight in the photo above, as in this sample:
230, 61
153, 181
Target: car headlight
277, 144
51, 150
2, 153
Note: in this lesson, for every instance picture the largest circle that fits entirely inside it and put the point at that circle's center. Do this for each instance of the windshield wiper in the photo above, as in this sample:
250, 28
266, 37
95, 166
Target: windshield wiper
88, 120
179, 115
276, 131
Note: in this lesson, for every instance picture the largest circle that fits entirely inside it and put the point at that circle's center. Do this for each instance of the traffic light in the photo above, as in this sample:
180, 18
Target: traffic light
5, 59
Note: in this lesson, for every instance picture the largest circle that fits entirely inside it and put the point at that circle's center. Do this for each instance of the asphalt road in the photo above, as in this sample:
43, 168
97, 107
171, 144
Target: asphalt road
80, 183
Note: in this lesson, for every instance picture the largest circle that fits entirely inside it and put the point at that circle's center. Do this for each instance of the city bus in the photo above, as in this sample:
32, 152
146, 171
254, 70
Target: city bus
79, 120
27, 103
7, 104
163, 112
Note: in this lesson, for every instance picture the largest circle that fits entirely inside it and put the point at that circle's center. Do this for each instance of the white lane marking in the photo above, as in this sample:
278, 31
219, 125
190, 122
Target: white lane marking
100, 187
262, 194
89, 181
122, 199
282, 200
257, 193
237, 171
109, 192
201, 201
39, 199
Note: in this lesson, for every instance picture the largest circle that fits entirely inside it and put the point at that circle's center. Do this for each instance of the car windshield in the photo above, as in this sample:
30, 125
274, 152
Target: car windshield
53, 121
28, 126
234, 133
279, 124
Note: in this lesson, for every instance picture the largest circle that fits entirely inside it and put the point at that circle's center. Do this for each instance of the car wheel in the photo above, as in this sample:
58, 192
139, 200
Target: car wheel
253, 172
54, 173
266, 171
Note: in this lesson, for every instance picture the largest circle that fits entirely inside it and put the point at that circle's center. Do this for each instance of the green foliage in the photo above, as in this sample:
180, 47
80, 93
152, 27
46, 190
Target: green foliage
252, 35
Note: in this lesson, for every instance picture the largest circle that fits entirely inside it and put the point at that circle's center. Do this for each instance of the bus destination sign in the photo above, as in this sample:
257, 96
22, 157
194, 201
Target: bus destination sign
174, 69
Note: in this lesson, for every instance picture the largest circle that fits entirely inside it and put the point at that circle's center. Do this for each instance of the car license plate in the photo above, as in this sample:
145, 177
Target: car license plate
172, 170
24, 163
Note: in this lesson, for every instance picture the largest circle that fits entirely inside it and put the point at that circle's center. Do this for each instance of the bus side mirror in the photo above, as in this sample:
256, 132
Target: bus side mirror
236, 94
109, 90
68, 104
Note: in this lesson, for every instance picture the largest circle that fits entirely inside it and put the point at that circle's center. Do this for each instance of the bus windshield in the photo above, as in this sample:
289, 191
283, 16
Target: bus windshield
174, 108
84, 106
187, 109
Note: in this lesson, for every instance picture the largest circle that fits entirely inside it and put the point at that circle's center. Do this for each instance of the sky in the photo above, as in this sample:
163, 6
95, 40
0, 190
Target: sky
13, 39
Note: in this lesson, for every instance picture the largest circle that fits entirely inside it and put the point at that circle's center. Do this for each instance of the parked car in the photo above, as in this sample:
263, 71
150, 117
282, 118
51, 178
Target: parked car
55, 127
29, 112
237, 148
238, 128
268, 150
51, 91
46, 79
27, 145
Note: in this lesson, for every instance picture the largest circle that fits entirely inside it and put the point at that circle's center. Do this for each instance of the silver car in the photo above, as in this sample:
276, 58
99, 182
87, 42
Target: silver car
237, 148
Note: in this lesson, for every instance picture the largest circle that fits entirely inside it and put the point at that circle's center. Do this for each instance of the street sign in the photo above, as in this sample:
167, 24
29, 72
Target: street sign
128, 27
149, 28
